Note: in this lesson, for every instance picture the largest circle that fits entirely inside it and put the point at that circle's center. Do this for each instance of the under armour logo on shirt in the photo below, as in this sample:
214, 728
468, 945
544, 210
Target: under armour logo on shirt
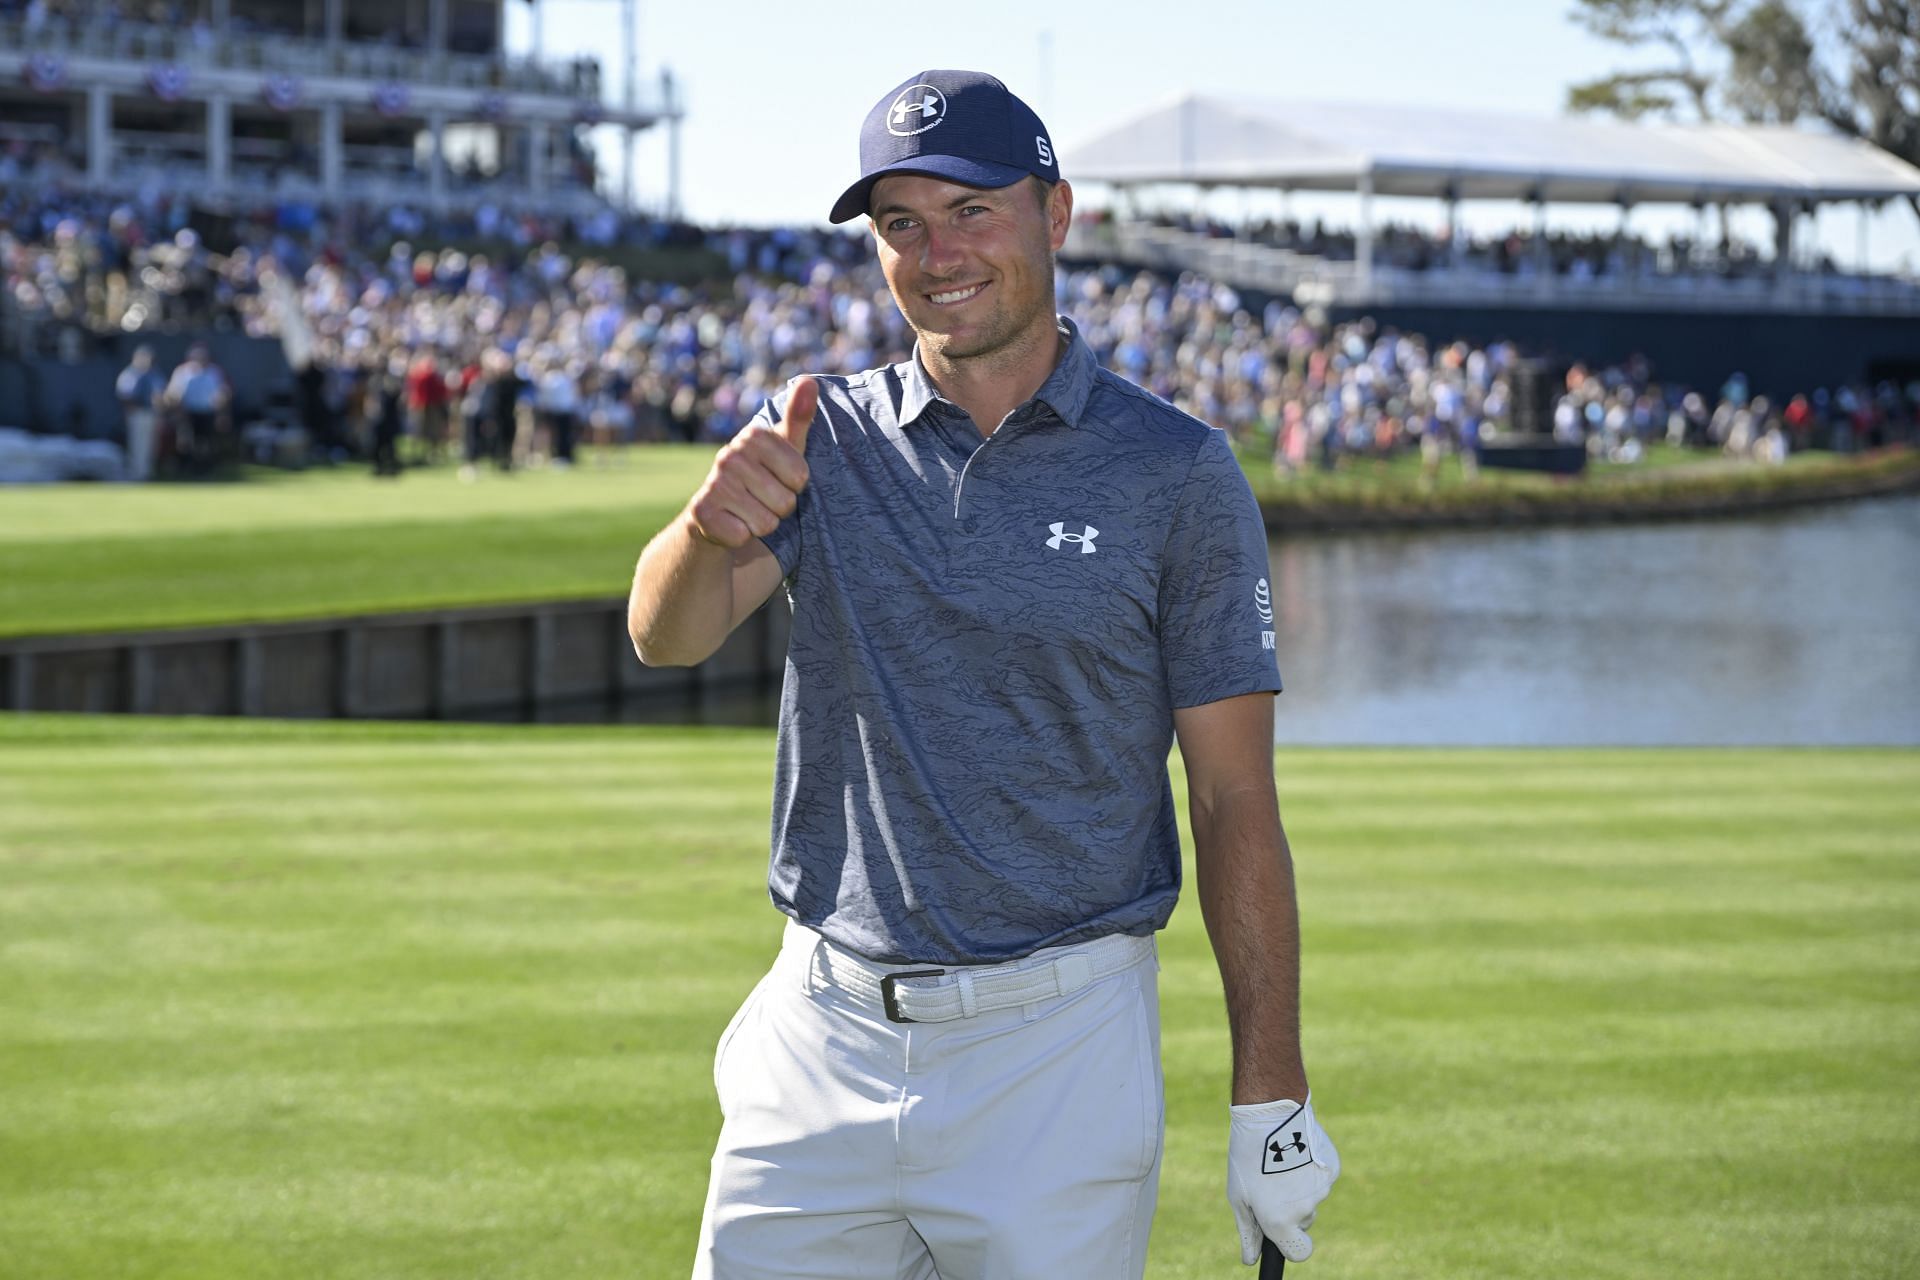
1061, 535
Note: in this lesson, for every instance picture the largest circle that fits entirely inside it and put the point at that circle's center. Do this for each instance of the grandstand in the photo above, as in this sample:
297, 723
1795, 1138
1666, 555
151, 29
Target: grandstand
155, 154
324, 100
1792, 319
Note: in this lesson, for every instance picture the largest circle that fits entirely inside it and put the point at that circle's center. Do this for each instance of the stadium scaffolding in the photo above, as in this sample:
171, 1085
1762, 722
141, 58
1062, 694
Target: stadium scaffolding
1375, 150
234, 105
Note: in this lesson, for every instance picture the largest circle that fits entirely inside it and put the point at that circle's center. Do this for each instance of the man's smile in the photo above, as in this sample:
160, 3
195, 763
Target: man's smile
949, 297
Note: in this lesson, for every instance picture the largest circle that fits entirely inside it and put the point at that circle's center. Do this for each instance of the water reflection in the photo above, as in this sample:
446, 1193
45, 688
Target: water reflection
1792, 629
1795, 629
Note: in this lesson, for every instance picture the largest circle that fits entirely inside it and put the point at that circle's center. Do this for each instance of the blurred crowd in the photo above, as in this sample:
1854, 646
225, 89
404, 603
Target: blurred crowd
1311, 393
524, 355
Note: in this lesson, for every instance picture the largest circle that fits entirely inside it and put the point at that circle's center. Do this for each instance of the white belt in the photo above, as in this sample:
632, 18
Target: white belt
943, 995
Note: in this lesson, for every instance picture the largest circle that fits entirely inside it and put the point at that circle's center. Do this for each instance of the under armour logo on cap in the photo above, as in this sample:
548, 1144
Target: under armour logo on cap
918, 108
963, 127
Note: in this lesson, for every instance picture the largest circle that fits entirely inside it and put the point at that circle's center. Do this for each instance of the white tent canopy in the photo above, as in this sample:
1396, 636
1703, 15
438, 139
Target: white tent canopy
1415, 151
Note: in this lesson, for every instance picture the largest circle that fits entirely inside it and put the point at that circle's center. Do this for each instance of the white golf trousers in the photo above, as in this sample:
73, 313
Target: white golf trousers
1016, 1144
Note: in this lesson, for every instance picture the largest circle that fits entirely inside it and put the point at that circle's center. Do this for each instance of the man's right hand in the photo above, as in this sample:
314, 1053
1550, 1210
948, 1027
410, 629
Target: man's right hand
757, 477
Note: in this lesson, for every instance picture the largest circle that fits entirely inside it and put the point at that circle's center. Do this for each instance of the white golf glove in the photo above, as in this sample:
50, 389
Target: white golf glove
1280, 1166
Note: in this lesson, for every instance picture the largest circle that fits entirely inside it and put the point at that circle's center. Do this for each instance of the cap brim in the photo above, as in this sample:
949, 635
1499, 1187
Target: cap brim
968, 173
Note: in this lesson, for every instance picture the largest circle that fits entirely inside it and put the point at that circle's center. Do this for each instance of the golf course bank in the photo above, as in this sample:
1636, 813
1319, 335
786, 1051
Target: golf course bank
498, 661
321, 595
328, 544
1384, 497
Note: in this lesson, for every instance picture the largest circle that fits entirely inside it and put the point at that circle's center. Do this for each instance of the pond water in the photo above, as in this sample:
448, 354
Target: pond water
1794, 629
1801, 628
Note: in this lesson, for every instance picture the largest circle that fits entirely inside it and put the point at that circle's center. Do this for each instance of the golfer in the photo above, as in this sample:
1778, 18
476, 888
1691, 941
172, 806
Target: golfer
1015, 578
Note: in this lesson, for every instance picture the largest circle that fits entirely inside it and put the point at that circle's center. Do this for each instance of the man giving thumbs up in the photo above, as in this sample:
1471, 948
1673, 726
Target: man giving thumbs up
707, 571
1015, 579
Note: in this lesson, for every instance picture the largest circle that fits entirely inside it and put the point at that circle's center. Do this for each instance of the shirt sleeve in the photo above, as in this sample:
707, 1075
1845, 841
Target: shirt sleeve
1216, 604
784, 541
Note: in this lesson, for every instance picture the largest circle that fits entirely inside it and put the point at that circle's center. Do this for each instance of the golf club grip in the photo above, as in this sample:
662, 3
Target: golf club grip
1273, 1263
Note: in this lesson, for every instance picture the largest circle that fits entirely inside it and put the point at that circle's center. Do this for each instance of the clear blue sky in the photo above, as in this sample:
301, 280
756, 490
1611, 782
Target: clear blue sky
776, 89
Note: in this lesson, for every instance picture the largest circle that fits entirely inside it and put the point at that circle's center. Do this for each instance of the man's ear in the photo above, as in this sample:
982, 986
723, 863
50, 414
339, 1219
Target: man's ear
1059, 213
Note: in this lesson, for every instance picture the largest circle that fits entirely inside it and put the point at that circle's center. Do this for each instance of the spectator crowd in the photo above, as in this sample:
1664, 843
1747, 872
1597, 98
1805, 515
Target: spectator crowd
522, 355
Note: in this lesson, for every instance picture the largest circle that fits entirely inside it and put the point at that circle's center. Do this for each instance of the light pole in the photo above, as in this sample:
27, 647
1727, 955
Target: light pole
629, 25
629, 96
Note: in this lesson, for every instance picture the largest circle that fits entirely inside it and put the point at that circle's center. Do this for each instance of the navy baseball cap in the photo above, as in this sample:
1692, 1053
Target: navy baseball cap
962, 126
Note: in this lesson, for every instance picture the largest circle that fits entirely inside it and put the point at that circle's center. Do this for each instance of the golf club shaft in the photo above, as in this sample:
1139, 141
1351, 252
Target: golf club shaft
1273, 1264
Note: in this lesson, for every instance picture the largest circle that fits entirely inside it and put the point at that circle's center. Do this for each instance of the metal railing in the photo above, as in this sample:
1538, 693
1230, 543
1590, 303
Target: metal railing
200, 46
392, 185
1315, 280
176, 162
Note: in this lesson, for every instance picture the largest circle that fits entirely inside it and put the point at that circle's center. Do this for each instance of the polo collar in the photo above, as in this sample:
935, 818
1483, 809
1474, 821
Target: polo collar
1065, 391
917, 392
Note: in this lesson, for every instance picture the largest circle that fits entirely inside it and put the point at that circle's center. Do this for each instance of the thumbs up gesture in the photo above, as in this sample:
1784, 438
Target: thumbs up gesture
757, 476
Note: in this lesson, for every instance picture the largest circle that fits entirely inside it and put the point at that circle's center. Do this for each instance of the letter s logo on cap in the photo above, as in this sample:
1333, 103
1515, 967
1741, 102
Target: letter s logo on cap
1046, 152
918, 108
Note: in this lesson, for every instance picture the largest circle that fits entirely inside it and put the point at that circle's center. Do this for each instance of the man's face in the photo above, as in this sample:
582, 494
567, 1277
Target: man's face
971, 269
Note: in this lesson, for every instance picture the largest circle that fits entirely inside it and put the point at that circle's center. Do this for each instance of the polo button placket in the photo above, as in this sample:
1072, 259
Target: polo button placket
1009, 425
960, 485
955, 431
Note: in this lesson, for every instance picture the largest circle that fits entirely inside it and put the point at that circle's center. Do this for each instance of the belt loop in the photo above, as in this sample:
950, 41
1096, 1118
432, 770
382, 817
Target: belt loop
969, 1003
1072, 972
814, 958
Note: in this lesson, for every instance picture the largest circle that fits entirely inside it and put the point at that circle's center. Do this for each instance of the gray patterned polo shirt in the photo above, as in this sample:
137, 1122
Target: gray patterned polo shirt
990, 636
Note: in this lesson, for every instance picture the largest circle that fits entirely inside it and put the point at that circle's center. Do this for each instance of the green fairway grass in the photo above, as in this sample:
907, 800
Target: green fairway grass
325, 543
392, 1001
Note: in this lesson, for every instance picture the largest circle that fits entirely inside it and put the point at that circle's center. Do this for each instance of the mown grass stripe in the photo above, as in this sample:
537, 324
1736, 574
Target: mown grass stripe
347, 1000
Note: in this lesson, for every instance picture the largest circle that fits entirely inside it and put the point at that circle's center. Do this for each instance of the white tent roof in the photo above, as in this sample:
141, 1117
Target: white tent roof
1414, 151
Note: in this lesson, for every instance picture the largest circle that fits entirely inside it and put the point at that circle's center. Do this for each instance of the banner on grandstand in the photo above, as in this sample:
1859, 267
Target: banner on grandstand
588, 111
281, 92
168, 81
491, 106
47, 72
390, 98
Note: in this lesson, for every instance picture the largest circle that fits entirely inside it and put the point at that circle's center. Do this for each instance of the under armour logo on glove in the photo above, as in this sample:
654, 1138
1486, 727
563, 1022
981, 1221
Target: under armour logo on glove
1282, 1156
1061, 535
